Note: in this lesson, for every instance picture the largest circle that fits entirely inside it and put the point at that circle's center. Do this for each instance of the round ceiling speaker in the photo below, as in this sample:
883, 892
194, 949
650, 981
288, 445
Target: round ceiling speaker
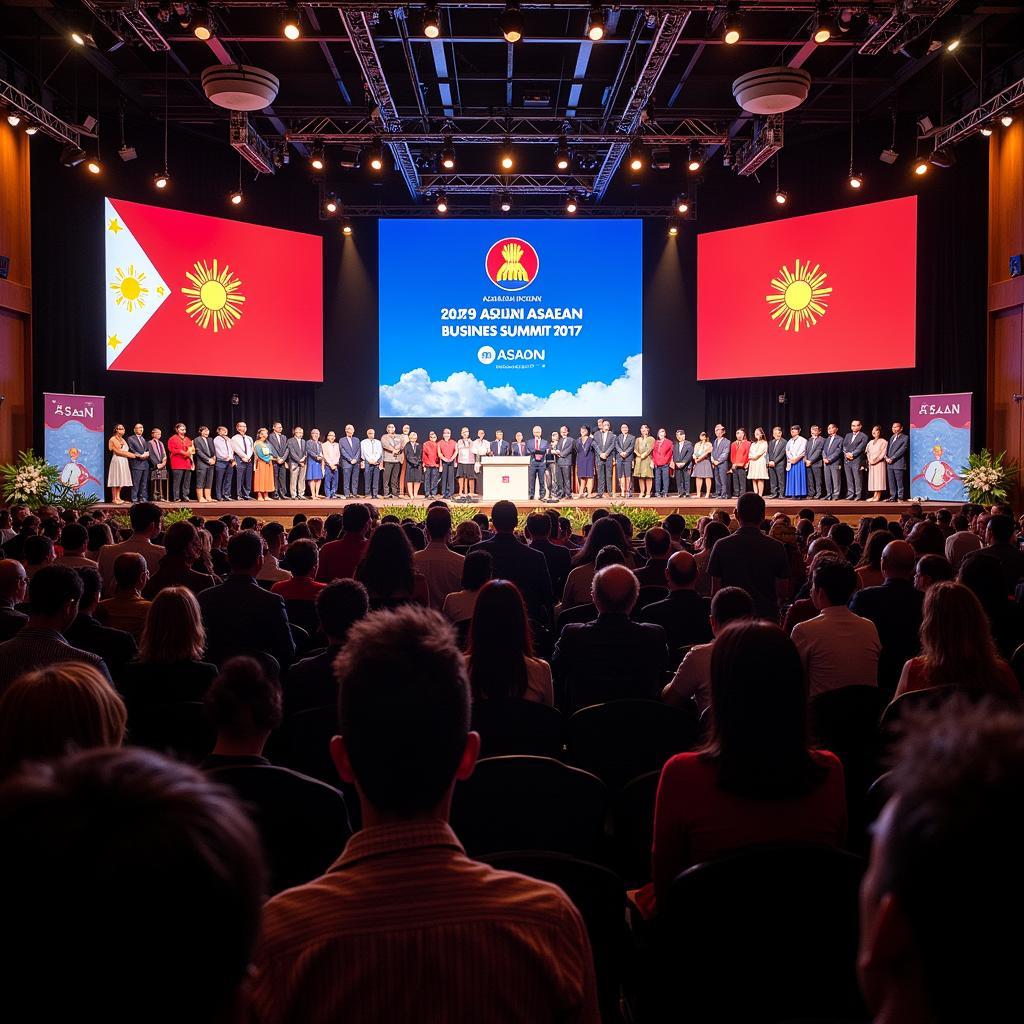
240, 87
771, 90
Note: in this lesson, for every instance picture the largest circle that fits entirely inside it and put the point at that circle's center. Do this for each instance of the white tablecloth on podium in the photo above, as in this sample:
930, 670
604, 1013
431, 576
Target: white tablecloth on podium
505, 476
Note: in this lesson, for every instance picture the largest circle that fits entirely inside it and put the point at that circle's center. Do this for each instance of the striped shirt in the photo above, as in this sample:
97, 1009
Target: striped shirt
33, 648
405, 927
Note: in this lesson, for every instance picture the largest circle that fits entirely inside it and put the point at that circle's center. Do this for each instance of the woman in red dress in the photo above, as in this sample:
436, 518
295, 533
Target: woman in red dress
180, 449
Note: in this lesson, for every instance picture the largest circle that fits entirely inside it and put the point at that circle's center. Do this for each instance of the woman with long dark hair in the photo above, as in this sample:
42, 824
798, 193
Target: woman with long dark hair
869, 568
577, 584
499, 651
387, 570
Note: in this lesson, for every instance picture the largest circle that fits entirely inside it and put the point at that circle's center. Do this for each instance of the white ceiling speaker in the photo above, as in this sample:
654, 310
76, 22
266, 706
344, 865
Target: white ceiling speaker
771, 90
240, 87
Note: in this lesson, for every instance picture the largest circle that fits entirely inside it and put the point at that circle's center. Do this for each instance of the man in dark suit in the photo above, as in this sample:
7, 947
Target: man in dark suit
537, 449
240, 616
658, 545
720, 463
13, 588
895, 609
297, 459
777, 464
612, 657
682, 459
566, 447
206, 462
896, 460
515, 561
684, 614
538, 534
812, 458
604, 448
115, 646
499, 446
139, 465
350, 453
832, 462
279, 447
853, 462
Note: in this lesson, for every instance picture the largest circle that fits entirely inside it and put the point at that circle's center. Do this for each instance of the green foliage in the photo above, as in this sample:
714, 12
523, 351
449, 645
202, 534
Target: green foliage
29, 480
71, 500
987, 477
641, 518
176, 515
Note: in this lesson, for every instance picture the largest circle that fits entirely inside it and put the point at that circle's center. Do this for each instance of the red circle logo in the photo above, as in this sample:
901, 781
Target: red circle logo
512, 264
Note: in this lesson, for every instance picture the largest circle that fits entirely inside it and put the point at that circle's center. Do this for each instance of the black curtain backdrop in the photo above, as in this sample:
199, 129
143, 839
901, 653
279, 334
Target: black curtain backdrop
69, 292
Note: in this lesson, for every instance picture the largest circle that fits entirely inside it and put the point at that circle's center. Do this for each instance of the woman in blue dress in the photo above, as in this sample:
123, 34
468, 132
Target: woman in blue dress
796, 471
586, 462
314, 463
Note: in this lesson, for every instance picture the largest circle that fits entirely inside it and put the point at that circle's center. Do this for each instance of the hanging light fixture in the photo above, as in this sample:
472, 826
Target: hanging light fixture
202, 24
375, 157
596, 23
507, 159
854, 178
673, 228
291, 22
682, 204
317, 158
448, 155
442, 203
511, 22
731, 32
562, 155
824, 26
346, 227
431, 22
571, 203
506, 202
636, 158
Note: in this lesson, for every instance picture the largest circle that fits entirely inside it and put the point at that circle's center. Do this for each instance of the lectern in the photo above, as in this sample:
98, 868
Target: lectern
505, 476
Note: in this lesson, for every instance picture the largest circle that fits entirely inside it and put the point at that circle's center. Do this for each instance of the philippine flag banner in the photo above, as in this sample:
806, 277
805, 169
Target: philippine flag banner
824, 293
196, 295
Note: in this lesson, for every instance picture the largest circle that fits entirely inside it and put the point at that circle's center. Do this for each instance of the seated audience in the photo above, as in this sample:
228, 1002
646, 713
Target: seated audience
869, 568
612, 657
414, 533
957, 647
339, 558
962, 542
578, 583
53, 597
388, 572
303, 822
274, 545
537, 531
999, 544
100, 535
467, 533
658, 545
756, 780
476, 571
837, 648
931, 569
13, 589
126, 608
38, 552
984, 577
499, 650
440, 566
15, 546
404, 901
145, 519
927, 539
218, 534
135, 853
684, 613
73, 541
300, 584
693, 677
183, 548
170, 667
115, 646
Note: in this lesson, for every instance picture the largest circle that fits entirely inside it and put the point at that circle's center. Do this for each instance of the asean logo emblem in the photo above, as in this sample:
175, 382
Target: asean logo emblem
486, 354
512, 264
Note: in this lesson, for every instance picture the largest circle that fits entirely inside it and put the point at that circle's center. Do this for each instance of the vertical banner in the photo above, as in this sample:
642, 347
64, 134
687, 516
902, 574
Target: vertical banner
940, 444
74, 441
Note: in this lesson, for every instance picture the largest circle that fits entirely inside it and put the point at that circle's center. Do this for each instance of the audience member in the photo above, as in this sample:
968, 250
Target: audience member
926, 539
218, 534
182, 548
869, 568
116, 647
658, 545
15, 546
684, 614
38, 551
985, 578
339, 558
126, 608
538, 530
274, 547
476, 571
300, 584
73, 541
962, 542
578, 583
13, 588
999, 545
145, 519
710, 535
467, 533
931, 569
439, 565
388, 571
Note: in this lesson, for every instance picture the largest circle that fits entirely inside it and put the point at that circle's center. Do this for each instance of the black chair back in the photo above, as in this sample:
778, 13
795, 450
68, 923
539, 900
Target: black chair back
518, 727
530, 803
633, 828
179, 729
650, 594
928, 699
575, 613
304, 743
303, 613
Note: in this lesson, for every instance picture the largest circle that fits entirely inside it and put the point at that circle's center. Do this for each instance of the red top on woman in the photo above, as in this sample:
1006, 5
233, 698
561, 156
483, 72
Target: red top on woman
429, 454
178, 447
662, 452
739, 453
915, 677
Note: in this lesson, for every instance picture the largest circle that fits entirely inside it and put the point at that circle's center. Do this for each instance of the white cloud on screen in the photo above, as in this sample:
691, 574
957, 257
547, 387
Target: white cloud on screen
463, 394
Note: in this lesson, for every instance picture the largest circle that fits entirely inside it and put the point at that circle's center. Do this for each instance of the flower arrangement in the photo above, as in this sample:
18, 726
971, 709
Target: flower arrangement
29, 480
986, 477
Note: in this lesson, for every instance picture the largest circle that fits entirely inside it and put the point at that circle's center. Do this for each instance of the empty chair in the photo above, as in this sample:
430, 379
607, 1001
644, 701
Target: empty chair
179, 729
633, 828
1017, 664
530, 803
517, 727
622, 739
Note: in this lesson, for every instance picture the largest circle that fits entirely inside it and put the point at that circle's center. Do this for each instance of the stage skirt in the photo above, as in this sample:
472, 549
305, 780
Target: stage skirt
314, 471
467, 471
263, 477
702, 470
796, 480
119, 475
757, 468
413, 474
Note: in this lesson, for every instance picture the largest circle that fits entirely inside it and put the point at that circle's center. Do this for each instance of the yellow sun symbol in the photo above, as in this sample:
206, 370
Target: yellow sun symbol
799, 296
214, 297
131, 292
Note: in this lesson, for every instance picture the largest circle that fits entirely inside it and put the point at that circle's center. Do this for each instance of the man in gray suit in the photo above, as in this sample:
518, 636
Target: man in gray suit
682, 459
279, 461
896, 463
832, 461
393, 446
812, 458
296, 464
566, 447
853, 461
720, 463
777, 464
604, 447
624, 444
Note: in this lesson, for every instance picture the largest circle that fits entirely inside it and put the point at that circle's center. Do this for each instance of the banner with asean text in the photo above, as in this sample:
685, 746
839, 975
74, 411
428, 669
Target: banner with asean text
940, 445
73, 440
824, 293
195, 295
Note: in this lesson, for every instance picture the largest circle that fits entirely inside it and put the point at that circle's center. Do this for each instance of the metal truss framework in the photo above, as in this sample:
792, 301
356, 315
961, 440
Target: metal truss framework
907, 20
655, 6
767, 140
1012, 96
533, 210
49, 124
250, 145
133, 15
515, 184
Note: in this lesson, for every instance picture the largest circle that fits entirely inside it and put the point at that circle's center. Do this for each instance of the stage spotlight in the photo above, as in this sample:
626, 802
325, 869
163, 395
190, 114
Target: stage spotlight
331, 206
781, 198
31, 129
562, 155
673, 229
506, 202
14, 119
636, 158
953, 43
93, 165
511, 22
507, 160
943, 157
291, 23
693, 164
921, 167
442, 203
824, 27
346, 227
448, 156
431, 22
72, 156
986, 130
856, 180
595, 25
317, 158
682, 205
161, 180
235, 198
571, 203
1006, 120
731, 33
78, 38
375, 157
202, 24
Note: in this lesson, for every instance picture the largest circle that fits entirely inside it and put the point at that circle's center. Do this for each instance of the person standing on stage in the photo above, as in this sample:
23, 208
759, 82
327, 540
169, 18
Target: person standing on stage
739, 458
815, 474
224, 470
720, 462
702, 465
158, 464
139, 463
682, 461
565, 453
446, 450
314, 462
796, 471
206, 462
372, 453
118, 475
642, 468
279, 446
585, 462
854, 445
413, 455
604, 451
464, 461
625, 442
431, 471
481, 449
876, 453
832, 460
551, 466
757, 464
896, 463
392, 445
537, 449
499, 446
777, 463
181, 450
263, 466
350, 456
297, 459
242, 444
661, 457
332, 459
518, 445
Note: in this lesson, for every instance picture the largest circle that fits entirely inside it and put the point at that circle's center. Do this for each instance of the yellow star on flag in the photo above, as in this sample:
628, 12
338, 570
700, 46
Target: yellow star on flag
114, 225
160, 289
113, 341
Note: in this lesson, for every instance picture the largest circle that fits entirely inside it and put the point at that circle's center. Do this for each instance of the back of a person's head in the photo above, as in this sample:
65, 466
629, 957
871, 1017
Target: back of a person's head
73, 537
332, 526
658, 542
538, 525
439, 522
129, 569
174, 629
300, 531
899, 559
498, 640
414, 533
482, 521
1001, 529
713, 533
52, 588
835, 578
143, 515
354, 517
339, 605
38, 550
980, 572
842, 534
181, 539
927, 539
947, 853
730, 604
57, 710
245, 549
758, 711
249, 523
871, 557
92, 585
750, 509
603, 532
956, 640
961, 523
608, 555
504, 515
132, 852
681, 570
935, 568
403, 708
243, 702
303, 557
99, 534
477, 568
272, 532
615, 590
216, 529
675, 524
625, 522
387, 566
467, 533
